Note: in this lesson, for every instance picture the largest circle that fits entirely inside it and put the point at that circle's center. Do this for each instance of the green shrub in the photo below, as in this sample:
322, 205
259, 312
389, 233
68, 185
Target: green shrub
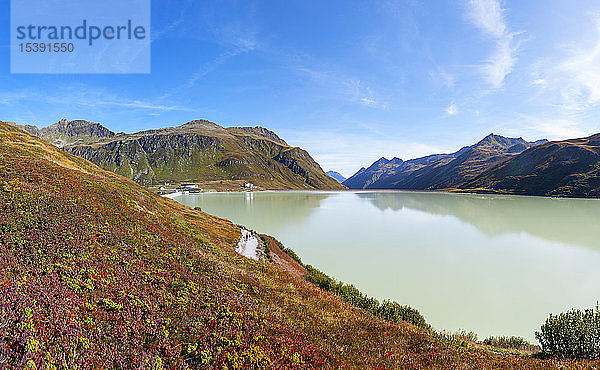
394, 312
292, 254
458, 338
574, 334
388, 310
510, 343
266, 246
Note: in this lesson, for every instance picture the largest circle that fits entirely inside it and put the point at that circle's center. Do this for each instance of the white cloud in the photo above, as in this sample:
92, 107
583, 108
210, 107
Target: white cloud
552, 128
452, 109
489, 17
538, 82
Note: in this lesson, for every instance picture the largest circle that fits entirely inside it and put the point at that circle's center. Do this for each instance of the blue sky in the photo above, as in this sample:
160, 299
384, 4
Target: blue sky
350, 81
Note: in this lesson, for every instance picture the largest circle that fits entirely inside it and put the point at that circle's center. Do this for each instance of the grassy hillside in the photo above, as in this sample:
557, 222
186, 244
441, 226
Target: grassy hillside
560, 168
98, 272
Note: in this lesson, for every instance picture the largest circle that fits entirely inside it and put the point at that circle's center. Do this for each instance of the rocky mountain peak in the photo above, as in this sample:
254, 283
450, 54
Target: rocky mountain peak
261, 131
500, 141
201, 124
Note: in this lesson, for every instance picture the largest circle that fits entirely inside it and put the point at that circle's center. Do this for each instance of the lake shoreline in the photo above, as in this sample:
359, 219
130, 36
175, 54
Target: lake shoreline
324, 191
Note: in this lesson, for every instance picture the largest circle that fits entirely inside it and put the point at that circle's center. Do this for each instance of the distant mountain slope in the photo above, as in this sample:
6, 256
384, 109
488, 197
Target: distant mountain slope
198, 150
412, 166
558, 168
367, 176
439, 171
336, 175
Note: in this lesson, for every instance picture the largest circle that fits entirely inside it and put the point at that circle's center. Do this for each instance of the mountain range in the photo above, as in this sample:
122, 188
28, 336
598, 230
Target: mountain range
439, 171
496, 164
196, 151
559, 168
204, 151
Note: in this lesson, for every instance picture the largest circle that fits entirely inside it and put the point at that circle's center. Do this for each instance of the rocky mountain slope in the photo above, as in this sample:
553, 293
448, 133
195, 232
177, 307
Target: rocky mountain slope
440, 171
558, 168
67, 132
196, 151
367, 176
98, 272
336, 175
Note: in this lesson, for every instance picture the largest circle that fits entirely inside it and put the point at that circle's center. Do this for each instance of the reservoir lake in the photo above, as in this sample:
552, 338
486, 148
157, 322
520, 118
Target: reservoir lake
491, 264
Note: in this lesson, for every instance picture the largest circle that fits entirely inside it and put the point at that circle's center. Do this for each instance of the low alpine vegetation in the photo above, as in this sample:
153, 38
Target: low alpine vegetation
574, 334
388, 310
510, 343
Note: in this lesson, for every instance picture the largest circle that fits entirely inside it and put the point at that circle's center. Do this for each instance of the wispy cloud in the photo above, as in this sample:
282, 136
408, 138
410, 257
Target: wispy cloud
441, 78
138, 104
552, 128
237, 45
452, 109
538, 82
71, 99
363, 94
489, 17
583, 69
342, 87
161, 32
569, 81
12, 97
86, 96
202, 71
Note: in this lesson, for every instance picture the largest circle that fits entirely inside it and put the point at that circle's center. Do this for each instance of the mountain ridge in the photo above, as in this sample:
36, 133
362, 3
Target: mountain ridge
439, 171
199, 150
66, 132
557, 168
